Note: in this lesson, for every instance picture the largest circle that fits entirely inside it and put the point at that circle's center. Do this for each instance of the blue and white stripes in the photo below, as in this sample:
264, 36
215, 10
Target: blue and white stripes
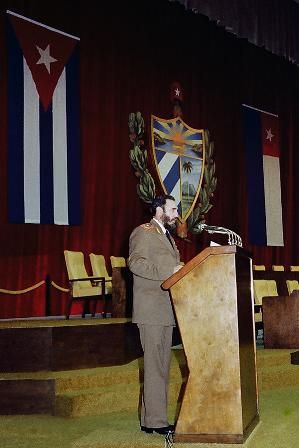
43, 145
263, 177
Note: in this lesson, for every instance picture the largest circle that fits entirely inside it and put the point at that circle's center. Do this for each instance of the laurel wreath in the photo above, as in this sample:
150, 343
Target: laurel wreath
138, 156
146, 188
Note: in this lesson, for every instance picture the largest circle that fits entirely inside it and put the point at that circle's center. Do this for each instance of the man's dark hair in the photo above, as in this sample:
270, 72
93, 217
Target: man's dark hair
160, 201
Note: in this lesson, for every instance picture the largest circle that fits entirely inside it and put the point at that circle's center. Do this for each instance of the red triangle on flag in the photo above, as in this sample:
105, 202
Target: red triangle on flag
46, 52
270, 134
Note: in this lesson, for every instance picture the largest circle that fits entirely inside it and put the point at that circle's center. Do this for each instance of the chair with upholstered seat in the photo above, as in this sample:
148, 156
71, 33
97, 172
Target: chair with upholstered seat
292, 285
264, 288
277, 267
82, 287
259, 267
99, 269
294, 268
118, 262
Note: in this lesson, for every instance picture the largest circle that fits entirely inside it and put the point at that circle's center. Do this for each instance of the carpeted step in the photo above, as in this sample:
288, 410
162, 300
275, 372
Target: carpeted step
87, 392
96, 378
273, 357
74, 380
96, 402
118, 397
125, 397
278, 377
98, 391
130, 373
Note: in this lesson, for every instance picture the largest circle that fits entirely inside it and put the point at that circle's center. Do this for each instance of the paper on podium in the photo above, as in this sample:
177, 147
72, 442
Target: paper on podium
212, 243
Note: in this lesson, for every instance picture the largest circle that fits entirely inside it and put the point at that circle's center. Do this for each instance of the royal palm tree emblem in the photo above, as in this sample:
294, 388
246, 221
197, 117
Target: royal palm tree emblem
187, 168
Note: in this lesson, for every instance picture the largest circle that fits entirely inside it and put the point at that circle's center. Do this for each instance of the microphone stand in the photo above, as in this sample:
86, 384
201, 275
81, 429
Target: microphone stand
233, 238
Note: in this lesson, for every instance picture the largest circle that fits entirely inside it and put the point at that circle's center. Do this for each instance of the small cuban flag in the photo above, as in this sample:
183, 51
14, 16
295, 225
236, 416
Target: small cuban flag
263, 177
43, 124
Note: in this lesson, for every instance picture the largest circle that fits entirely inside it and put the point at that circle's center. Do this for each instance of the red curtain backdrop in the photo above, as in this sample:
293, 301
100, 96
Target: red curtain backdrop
129, 58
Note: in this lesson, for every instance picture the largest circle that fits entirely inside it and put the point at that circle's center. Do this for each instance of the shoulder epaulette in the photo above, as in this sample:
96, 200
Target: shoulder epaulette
151, 227
148, 226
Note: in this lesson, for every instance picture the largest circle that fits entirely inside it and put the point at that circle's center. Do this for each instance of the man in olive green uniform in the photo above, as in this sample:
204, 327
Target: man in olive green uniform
153, 258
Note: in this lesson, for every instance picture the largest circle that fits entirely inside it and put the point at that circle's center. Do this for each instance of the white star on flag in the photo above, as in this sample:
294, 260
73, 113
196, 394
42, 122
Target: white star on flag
177, 92
45, 57
269, 135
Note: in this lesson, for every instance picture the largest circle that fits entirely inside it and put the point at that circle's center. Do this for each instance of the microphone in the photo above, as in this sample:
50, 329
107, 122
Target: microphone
233, 238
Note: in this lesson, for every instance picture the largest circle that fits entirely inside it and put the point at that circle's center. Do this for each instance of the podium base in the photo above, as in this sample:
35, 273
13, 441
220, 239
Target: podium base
217, 438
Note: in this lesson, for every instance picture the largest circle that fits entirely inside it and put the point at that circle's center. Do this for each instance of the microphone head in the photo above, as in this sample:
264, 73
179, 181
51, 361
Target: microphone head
201, 226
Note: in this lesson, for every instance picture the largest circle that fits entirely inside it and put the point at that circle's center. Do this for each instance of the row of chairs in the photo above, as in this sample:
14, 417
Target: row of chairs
268, 287
88, 288
264, 288
276, 267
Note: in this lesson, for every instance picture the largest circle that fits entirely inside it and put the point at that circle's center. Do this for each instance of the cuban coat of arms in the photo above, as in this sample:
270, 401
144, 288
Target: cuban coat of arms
183, 158
179, 155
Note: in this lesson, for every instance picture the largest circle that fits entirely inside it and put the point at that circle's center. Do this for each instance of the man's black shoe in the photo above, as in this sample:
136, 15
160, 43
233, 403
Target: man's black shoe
163, 430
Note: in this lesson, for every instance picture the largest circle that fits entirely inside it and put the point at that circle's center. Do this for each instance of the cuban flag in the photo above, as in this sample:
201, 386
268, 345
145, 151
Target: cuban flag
263, 177
43, 124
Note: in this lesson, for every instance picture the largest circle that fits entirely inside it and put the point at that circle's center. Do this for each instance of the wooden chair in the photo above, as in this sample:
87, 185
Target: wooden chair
122, 285
82, 287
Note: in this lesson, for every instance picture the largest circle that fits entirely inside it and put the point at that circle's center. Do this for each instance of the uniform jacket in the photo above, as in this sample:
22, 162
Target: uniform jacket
152, 260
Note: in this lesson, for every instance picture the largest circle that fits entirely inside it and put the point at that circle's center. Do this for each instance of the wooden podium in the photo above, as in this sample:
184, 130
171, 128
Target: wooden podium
213, 301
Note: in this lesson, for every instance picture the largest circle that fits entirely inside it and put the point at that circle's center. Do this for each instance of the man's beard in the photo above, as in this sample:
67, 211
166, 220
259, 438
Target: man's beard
168, 223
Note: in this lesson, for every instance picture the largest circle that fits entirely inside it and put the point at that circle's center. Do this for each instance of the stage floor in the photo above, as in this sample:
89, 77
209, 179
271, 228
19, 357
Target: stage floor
60, 321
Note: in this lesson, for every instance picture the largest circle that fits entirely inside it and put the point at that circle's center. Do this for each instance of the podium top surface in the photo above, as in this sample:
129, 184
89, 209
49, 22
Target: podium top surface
208, 251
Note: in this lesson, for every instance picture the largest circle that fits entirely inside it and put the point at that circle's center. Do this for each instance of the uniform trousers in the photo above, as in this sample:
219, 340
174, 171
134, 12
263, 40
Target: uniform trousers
156, 341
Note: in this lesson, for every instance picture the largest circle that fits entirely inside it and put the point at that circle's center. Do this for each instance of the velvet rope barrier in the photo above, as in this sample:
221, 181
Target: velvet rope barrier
22, 291
60, 288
